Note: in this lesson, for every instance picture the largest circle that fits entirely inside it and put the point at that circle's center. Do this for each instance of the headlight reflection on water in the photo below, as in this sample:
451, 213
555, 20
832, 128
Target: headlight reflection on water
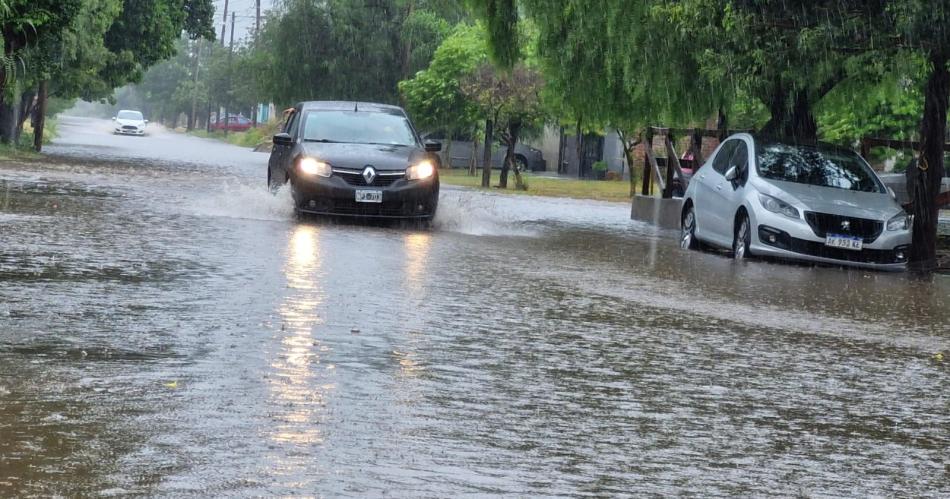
299, 385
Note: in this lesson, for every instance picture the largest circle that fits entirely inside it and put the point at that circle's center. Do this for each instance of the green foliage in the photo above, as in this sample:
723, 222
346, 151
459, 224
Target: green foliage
434, 96
343, 50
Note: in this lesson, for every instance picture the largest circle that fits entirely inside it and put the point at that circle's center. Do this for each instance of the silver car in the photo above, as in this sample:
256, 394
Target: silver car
816, 202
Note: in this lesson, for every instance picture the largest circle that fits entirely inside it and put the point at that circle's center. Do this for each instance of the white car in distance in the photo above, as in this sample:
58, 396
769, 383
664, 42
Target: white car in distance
129, 122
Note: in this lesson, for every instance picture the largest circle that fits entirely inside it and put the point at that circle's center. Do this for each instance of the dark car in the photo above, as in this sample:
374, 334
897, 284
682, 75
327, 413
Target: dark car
355, 159
236, 123
460, 153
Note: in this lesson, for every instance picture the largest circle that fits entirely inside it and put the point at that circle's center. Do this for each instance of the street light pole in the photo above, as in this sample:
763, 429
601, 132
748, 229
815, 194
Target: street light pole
224, 22
227, 96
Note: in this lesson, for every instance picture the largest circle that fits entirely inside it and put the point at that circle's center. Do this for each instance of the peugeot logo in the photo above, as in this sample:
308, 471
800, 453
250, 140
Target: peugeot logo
845, 225
369, 174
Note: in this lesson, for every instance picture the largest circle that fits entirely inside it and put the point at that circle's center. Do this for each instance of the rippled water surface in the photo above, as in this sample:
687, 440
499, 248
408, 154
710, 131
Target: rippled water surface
169, 328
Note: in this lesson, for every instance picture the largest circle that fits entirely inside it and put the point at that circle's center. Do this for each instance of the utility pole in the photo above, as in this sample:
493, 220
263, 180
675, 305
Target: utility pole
227, 97
193, 119
224, 22
257, 38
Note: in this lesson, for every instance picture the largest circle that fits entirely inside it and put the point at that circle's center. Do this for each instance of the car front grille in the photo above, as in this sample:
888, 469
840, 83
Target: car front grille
823, 224
129, 127
406, 209
863, 256
356, 178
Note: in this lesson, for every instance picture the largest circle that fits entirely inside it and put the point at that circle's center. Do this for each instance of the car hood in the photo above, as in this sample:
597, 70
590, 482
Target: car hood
358, 156
869, 205
130, 122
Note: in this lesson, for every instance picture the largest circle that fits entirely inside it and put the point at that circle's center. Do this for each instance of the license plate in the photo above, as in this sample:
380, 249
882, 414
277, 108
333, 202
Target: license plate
369, 196
844, 242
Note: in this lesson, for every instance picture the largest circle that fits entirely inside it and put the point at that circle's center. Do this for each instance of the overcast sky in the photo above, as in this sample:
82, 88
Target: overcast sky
244, 20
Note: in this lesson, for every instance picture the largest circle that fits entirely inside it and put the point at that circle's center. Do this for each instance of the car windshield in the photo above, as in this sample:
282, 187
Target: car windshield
130, 115
821, 166
358, 127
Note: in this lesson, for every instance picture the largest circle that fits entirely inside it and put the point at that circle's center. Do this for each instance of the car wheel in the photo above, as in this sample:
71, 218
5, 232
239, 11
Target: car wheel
742, 238
522, 163
688, 230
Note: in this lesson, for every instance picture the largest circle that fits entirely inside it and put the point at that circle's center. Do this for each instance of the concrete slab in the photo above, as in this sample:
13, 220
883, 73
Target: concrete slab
664, 213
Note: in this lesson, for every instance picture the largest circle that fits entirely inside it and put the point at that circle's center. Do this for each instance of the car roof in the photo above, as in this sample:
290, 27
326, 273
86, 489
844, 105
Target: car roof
764, 139
373, 107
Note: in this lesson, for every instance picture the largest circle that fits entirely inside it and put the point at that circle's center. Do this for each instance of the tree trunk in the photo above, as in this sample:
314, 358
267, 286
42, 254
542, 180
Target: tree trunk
25, 110
447, 155
8, 121
473, 161
579, 145
39, 115
722, 125
628, 149
926, 186
791, 117
511, 140
505, 165
486, 156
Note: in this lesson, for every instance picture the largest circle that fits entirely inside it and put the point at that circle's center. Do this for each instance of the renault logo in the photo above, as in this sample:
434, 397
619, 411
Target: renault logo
369, 174
845, 225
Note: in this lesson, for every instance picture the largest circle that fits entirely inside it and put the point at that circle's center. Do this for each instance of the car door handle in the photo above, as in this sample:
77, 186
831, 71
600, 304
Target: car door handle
719, 187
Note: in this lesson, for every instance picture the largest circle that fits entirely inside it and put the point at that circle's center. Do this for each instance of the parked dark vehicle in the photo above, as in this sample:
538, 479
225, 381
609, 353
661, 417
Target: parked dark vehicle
528, 158
355, 160
236, 123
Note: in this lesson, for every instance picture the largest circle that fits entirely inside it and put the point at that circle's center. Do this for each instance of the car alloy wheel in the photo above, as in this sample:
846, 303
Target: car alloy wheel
742, 238
688, 230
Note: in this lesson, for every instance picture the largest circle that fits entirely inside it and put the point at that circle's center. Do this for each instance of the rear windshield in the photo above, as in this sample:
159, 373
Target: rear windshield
359, 127
130, 115
821, 166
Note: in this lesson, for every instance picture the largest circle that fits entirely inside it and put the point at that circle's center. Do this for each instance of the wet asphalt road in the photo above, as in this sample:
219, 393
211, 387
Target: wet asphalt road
169, 328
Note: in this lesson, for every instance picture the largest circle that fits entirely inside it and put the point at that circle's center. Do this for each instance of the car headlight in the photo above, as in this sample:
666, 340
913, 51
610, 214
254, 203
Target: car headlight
776, 205
421, 170
312, 166
901, 221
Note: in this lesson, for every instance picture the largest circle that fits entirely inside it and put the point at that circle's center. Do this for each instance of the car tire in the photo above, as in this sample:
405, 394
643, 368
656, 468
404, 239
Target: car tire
688, 230
522, 164
742, 237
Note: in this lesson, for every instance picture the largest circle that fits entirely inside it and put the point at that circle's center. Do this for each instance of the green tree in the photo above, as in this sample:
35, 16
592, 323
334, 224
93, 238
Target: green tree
511, 101
434, 97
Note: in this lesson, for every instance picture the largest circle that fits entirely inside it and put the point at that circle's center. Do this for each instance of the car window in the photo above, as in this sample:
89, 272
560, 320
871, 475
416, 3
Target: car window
723, 157
358, 127
292, 124
130, 115
740, 159
823, 166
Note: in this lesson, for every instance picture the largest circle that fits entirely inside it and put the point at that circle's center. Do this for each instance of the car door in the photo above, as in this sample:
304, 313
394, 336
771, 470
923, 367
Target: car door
706, 200
280, 153
729, 193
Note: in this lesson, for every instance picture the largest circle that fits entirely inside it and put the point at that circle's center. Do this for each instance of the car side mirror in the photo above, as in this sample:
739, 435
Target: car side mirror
113, 118
732, 173
433, 146
283, 139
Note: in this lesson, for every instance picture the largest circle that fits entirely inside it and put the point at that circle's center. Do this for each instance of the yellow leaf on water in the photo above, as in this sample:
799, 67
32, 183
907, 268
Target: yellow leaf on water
172, 384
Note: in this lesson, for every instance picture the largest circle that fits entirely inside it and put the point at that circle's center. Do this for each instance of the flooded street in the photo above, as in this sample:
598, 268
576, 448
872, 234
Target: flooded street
169, 328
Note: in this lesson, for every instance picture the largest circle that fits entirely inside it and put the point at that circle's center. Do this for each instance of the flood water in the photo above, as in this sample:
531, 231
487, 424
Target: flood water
169, 328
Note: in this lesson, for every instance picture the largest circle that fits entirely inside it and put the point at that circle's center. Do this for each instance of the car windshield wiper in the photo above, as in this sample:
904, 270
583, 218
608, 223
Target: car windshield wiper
326, 141
386, 144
